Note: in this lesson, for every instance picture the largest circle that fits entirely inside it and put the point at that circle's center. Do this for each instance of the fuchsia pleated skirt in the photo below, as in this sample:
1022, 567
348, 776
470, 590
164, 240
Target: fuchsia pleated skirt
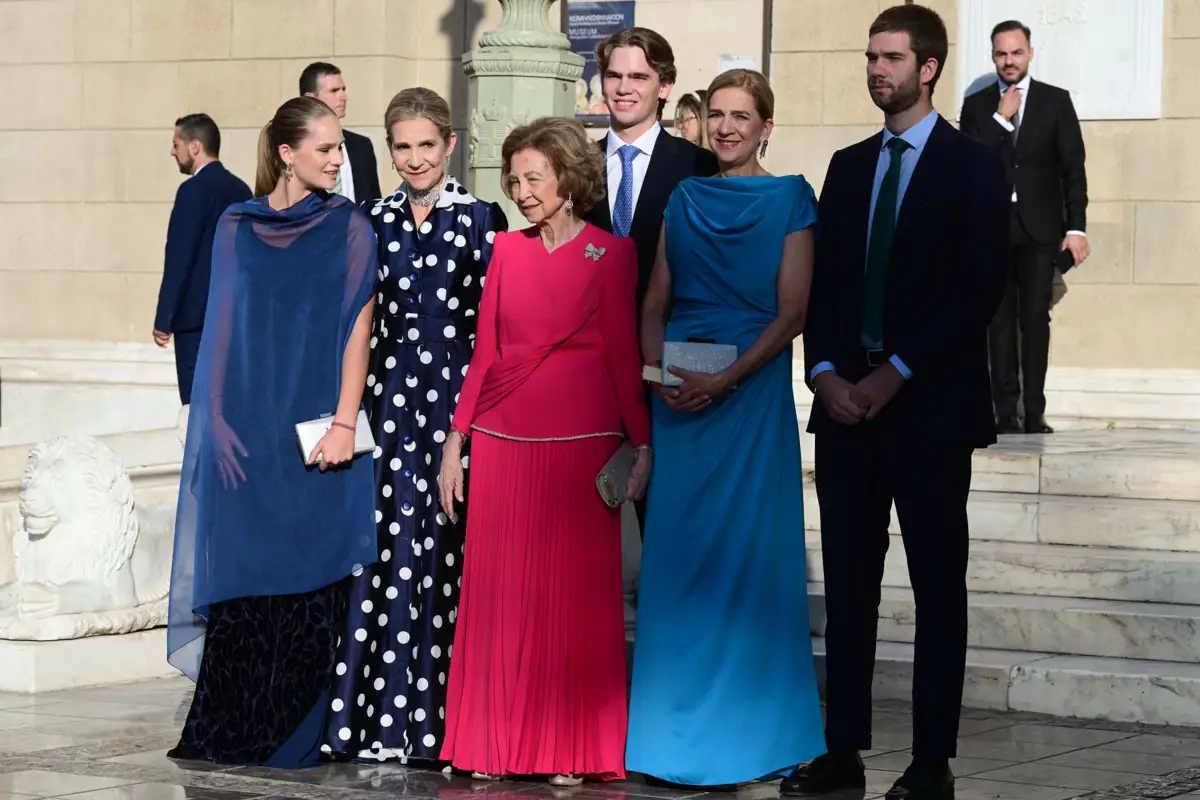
537, 676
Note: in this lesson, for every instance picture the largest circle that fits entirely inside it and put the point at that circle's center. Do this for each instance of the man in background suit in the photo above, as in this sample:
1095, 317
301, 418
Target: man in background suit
909, 270
645, 163
358, 179
199, 204
1034, 127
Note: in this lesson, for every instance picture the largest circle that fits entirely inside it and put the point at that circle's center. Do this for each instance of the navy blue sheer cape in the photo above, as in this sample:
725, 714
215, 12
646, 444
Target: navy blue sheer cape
254, 520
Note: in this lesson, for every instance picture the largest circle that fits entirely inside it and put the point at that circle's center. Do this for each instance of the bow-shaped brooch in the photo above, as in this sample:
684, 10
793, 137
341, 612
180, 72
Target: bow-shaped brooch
593, 252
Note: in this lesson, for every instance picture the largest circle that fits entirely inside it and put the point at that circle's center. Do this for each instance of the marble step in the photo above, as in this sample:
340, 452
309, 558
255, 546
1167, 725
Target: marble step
1055, 519
1141, 464
1155, 692
1099, 573
1064, 625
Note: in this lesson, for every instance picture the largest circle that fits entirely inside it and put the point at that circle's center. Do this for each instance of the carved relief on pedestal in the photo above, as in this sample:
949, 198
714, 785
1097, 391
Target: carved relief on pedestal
88, 561
489, 127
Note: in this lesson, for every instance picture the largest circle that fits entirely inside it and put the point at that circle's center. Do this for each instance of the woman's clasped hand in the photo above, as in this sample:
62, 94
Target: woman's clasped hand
697, 391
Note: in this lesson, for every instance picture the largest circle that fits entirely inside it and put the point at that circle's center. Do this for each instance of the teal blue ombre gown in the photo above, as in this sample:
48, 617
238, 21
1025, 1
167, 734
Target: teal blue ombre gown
724, 689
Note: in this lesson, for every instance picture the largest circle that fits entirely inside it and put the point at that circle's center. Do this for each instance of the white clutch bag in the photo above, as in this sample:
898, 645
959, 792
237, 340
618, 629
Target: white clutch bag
309, 433
692, 356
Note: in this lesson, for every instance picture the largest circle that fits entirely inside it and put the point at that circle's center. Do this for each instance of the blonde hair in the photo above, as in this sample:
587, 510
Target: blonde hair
577, 161
750, 81
289, 126
419, 103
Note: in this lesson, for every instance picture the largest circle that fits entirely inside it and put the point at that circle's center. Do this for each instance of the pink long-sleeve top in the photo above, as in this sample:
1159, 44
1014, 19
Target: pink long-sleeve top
556, 354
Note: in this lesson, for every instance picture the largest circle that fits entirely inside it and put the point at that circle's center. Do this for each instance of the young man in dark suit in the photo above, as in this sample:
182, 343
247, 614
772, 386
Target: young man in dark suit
199, 203
358, 178
909, 271
1034, 127
644, 162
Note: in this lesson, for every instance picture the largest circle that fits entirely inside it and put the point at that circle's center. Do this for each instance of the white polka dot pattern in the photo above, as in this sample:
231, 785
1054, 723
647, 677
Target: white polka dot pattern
395, 650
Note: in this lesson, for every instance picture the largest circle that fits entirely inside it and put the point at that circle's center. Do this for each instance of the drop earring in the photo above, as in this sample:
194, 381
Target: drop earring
569, 205
287, 172
762, 151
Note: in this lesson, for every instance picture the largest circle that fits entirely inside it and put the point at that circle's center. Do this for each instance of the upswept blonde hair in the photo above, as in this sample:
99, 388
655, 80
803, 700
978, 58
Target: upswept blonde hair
753, 83
419, 103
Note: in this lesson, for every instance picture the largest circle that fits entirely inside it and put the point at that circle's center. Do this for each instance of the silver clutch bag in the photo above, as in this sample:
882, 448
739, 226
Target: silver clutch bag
695, 357
614, 478
309, 433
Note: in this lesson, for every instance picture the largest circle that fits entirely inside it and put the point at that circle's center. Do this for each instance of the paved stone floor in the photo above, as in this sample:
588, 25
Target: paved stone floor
110, 744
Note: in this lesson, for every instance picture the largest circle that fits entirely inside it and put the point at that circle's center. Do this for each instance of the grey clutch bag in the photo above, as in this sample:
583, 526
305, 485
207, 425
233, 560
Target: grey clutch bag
614, 478
695, 357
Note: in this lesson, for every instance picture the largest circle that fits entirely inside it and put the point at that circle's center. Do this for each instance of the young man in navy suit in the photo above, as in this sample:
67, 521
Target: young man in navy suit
910, 268
644, 163
199, 203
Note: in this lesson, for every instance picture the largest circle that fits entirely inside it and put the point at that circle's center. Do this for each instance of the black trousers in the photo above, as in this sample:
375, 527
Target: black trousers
187, 349
1019, 336
860, 472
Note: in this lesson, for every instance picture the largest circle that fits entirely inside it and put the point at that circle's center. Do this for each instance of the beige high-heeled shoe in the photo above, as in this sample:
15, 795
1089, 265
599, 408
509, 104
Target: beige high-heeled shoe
566, 780
486, 776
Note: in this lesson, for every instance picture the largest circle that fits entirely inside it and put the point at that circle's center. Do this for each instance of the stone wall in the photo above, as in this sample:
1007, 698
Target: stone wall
95, 85
1133, 305
94, 88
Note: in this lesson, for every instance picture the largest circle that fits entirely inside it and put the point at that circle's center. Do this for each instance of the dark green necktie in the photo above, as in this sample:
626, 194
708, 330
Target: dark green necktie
879, 250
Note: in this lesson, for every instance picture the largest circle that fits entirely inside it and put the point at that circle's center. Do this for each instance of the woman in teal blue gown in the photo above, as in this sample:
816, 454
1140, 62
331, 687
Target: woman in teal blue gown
724, 690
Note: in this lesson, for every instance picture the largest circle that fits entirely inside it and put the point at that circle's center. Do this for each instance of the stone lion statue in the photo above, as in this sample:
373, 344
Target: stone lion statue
88, 561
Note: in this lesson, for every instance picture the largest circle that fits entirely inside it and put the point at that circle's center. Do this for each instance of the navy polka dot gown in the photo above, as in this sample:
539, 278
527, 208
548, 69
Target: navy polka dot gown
389, 688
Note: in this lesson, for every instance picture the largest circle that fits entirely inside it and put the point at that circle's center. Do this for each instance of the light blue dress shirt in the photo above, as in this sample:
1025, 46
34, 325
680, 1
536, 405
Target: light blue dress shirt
917, 137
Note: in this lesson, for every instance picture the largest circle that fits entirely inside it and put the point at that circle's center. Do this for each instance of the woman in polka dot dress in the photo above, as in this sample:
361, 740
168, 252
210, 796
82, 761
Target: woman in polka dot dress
435, 239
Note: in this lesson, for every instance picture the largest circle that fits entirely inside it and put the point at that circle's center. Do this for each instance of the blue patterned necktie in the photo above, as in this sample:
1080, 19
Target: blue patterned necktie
622, 217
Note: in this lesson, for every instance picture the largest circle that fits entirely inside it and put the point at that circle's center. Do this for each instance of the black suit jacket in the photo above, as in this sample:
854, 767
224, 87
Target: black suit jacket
199, 203
1046, 164
944, 283
362, 166
673, 160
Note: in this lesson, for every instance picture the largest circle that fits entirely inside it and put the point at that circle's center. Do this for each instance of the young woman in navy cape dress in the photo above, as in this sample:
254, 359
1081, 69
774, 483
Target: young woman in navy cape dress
537, 684
724, 690
435, 243
266, 533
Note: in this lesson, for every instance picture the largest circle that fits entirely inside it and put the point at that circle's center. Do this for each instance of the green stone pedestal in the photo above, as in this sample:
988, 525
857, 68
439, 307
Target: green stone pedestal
522, 70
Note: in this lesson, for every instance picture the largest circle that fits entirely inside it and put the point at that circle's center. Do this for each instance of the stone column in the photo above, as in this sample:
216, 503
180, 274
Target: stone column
522, 70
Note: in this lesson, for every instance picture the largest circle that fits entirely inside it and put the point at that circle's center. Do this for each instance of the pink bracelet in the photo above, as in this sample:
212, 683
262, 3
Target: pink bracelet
344, 425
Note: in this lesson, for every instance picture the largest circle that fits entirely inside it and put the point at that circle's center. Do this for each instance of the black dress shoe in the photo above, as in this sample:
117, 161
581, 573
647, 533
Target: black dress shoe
923, 783
828, 773
1038, 425
1008, 425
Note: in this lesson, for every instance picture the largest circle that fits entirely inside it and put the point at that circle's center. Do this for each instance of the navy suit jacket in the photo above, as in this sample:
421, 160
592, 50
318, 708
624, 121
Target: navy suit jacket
944, 284
675, 159
199, 204
363, 167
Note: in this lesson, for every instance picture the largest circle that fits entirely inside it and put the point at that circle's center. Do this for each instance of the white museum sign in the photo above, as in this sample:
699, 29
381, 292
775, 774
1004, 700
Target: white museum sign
1108, 53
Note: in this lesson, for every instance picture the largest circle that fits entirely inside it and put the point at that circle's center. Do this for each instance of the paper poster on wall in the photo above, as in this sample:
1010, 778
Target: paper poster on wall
588, 24
726, 62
